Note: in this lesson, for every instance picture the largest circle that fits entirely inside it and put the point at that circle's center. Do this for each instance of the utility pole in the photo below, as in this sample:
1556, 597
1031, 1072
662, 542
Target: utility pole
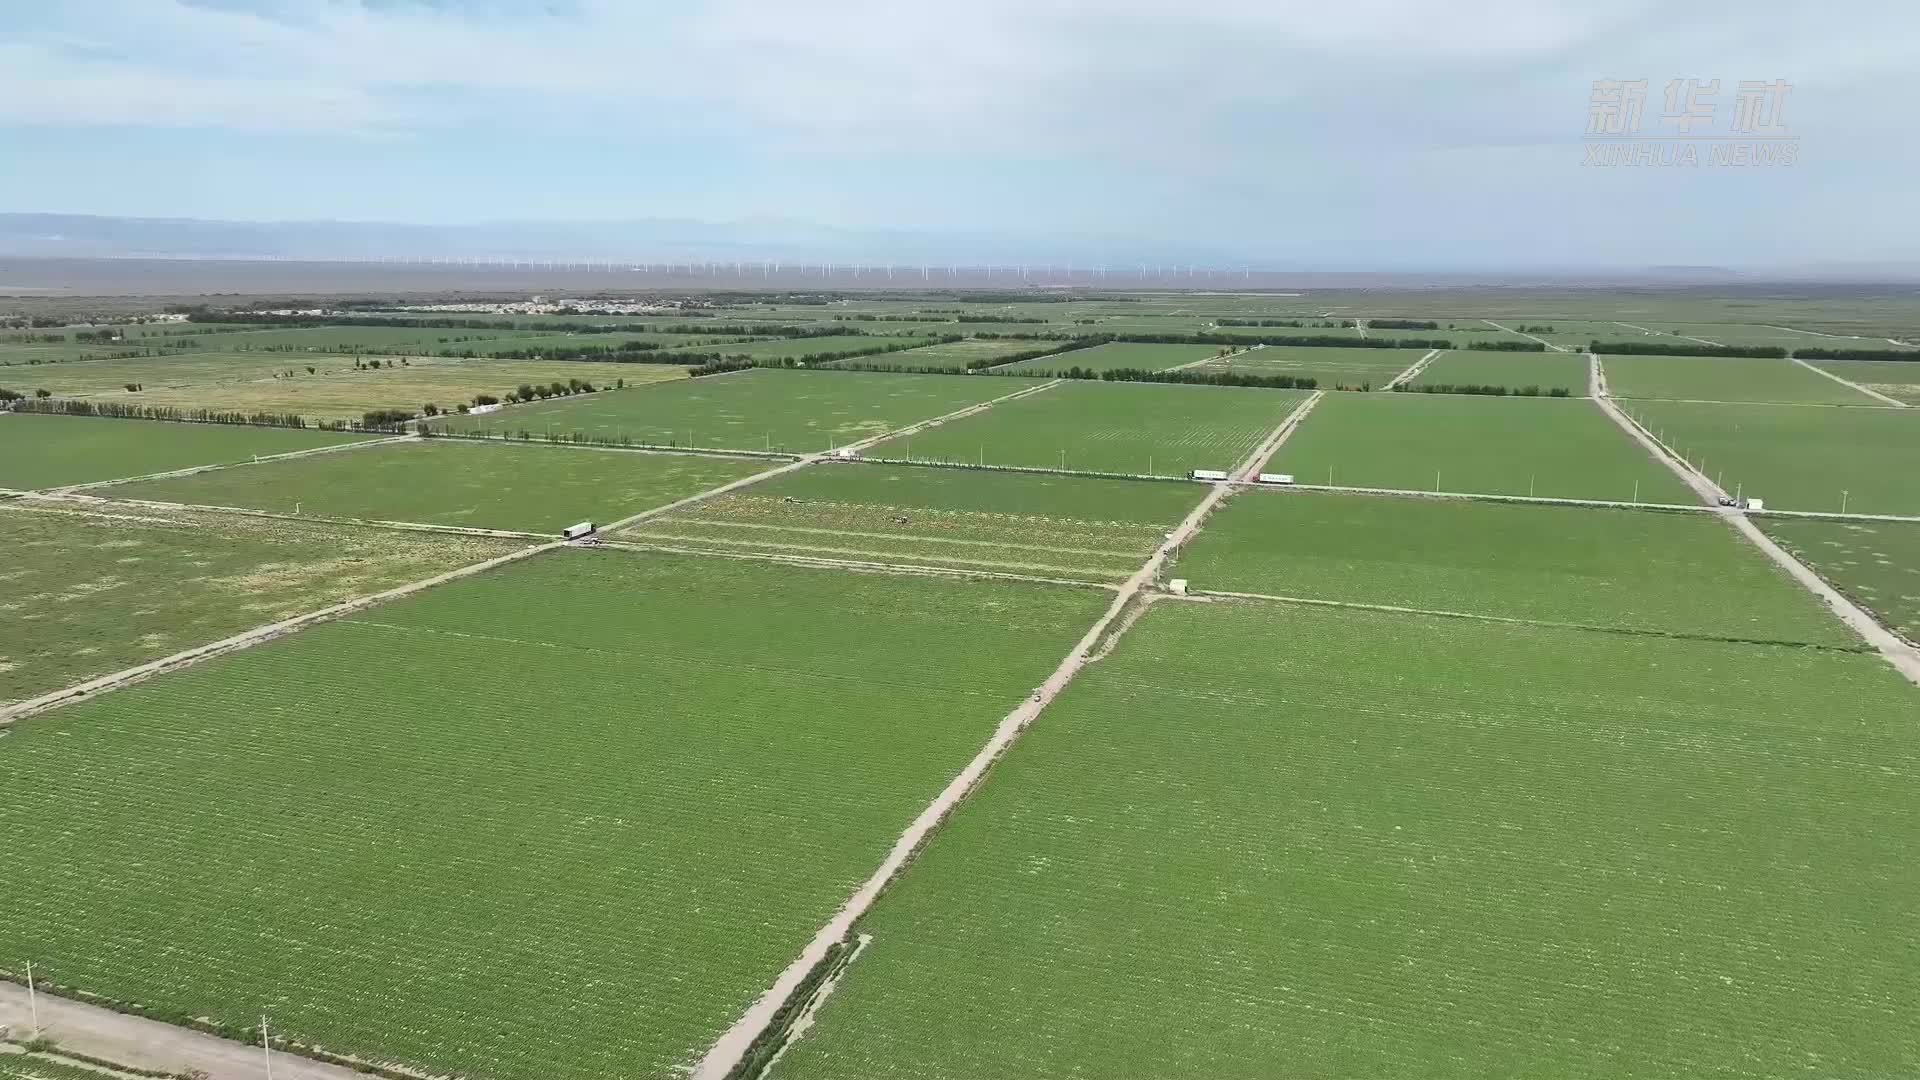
33, 1000
266, 1047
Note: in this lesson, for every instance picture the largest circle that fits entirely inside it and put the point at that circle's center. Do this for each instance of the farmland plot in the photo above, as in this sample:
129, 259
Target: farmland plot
567, 819
1866, 461
334, 390
87, 592
1673, 573
1894, 378
1549, 447
952, 354
1724, 378
1114, 355
39, 451
1329, 367
1876, 563
1138, 428
1257, 842
1027, 523
796, 348
766, 409
531, 488
1515, 370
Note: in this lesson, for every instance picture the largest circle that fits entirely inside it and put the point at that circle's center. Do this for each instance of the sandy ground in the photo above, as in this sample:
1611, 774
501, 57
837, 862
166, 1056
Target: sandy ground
727, 1051
150, 1044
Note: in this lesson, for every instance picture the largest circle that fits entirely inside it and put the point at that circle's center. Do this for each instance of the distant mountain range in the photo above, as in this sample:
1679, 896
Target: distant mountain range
655, 240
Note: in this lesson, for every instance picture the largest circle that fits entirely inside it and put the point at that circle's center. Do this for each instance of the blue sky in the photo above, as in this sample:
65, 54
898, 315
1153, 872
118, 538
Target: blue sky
1301, 133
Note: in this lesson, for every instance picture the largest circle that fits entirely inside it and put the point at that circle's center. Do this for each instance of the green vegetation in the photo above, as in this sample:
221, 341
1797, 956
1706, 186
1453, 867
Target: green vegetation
1655, 571
1138, 428
55, 451
1720, 378
93, 591
1113, 356
1875, 563
1550, 447
796, 348
535, 488
792, 411
1271, 840
957, 355
1027, 523
39, 1067
1866, 461
1547, 370
1330, 367
1896, 379
566, 819
334, 389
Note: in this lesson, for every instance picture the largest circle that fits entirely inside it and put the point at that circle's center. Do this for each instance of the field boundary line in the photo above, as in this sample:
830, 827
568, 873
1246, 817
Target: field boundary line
824, 455
1417, 367
137, 1042
1904, 657
643, 448
1210, 359
1849, 383
733, 1044
1514, 620
258, 460
1482, 496
824, 562
1524, 334
246, 639
1780, 404
98, 504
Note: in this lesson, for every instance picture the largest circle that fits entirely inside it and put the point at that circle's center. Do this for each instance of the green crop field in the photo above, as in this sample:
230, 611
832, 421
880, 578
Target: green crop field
767, 409
1896, 379
796, 348
1275, 841
1577, 334
1330, 367
565, 819
1546, 370
1499, 446
1064, 526
532, 488
335, 389
87, 592
1724, 378
950, 354
1876, 563
1114, 355
1798, 457
1138, 428
1625, 569
39, 451
36, 1067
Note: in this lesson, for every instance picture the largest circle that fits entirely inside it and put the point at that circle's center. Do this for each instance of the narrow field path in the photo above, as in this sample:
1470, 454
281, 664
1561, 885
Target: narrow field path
1636, 326
1850, 384
824, 455
875, 566
1361, 326
101, 505
733, 1045
1904, 658
1415, 369
1524, 334
1205, 595
258, 459
1812, 333
1596, 377
140, 1043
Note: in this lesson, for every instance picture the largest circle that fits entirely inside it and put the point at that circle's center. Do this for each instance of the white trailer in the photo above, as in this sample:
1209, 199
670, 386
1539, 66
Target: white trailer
1755, 504
577, 532
1274, 478
1208, 474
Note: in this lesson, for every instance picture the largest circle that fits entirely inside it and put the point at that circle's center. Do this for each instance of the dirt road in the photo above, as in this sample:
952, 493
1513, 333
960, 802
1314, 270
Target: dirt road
150, 1044
1904, 658
727, 1051
1850, 384
1414, 371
